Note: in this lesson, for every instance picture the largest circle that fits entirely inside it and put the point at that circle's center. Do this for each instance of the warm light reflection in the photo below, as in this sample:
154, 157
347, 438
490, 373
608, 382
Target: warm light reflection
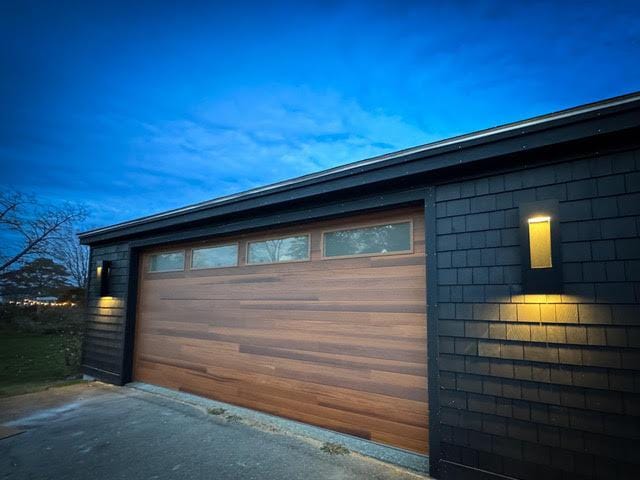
539, 219
28, 302
540, 242
540, 299
107, 302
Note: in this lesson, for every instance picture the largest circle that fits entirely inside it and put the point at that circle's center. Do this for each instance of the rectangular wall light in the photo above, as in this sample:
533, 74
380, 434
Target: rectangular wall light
541, 252
104, 276
540, 242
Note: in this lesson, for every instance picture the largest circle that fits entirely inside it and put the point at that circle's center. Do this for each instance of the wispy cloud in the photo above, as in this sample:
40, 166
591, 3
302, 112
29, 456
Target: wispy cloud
258, 137
134, 111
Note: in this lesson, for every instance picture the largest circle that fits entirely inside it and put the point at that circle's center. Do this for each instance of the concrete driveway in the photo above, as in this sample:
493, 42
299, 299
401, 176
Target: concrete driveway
98, 431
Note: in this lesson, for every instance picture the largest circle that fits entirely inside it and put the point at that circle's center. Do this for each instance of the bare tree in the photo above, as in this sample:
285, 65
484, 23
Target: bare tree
72, 255
9, 203
31, 228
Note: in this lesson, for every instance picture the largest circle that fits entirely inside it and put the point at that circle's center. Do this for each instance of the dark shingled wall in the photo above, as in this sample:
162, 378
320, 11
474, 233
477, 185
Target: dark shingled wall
541, 386
103, 343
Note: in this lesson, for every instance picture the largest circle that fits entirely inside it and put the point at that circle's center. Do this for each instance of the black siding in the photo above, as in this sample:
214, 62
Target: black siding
541, 386
102, 355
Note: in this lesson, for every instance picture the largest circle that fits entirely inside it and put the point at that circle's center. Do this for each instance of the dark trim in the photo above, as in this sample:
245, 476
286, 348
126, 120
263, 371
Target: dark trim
457, 471
130, 317
86, 301
335, 209
103, 375
598, 119
433, 371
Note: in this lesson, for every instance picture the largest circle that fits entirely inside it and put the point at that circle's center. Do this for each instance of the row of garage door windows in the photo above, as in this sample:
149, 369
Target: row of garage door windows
382, 239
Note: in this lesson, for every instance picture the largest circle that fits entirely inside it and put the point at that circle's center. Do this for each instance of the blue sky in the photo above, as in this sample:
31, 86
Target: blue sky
137, 107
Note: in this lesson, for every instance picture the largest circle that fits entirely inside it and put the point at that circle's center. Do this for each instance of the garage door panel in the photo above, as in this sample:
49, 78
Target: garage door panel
390, 411
407, 436
399, 333
341, 335
253, 318
337, 306
279, 401
282, 363
171, 361
392, 265
354, 382
355, 377
339, 343
248, 356
337, 293
419, 444
407, 368
326, 336
406, 349
310, 287
357, 349
351, 402
283, 410
292, 307
375, 423
398, 336
306, 377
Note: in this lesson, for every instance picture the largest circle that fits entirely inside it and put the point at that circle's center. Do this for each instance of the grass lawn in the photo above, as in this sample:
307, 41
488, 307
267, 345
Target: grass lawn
31, 362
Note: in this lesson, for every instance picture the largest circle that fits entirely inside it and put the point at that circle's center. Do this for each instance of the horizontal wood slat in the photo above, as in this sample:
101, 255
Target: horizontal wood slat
338, 343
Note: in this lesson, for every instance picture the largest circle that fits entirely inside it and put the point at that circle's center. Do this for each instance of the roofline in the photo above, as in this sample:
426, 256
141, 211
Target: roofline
486, 135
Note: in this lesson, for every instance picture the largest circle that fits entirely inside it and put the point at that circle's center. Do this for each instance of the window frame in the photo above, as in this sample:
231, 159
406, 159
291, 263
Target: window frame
266, 239
193, 249
184, 261
411, 249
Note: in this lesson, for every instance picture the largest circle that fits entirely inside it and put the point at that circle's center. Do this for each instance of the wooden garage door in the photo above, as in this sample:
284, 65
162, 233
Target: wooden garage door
334, 342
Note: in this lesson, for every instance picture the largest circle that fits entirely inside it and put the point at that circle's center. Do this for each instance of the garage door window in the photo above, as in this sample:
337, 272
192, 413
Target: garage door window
215, 257
286, 249
166, 262
372, 240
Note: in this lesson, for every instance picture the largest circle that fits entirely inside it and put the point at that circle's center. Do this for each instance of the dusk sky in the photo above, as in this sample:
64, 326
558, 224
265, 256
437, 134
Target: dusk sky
137, 107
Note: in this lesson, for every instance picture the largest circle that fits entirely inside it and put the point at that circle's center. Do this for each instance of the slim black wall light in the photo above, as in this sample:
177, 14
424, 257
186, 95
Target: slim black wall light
104, 277
541, 250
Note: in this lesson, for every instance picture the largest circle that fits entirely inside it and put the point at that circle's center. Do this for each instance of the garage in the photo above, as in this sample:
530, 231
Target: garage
323, 323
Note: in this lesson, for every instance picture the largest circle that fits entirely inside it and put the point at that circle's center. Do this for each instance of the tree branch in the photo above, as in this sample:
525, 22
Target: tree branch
37, 227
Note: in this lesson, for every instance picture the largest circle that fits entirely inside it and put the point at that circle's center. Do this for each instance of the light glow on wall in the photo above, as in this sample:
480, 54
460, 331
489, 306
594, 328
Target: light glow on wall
109, 302
540, 242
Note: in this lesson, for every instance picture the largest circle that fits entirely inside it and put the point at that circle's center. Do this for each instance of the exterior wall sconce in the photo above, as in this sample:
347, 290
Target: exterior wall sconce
540, 242
104, 276
541, 251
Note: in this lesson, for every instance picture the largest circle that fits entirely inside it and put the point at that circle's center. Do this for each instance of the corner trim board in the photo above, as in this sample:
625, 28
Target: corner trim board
433, 372
130, 316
